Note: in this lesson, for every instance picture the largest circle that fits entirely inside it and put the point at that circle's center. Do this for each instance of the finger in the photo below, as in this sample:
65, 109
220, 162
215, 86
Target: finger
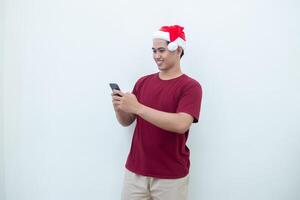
116, 92
116, 98
116, 103
119, 92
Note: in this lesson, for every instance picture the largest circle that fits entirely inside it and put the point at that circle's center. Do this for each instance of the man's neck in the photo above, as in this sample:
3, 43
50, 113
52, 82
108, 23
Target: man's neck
173, 72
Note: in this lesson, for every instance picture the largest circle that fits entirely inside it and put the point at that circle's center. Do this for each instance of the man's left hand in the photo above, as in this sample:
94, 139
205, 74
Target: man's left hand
127, 102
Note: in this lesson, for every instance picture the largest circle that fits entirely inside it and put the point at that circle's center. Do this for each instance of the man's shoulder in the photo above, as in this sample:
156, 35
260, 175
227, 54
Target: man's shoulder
145, 77
191, 81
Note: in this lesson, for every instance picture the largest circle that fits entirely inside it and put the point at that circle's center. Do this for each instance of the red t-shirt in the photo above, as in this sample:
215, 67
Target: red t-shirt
156, 152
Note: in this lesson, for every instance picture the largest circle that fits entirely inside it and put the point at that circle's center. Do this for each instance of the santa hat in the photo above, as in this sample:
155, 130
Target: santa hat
173, 34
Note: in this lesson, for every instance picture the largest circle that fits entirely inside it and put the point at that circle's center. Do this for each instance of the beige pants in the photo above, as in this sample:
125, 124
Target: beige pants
137, 187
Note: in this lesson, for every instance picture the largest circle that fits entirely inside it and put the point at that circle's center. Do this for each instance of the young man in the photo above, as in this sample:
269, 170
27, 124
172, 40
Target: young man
165, 104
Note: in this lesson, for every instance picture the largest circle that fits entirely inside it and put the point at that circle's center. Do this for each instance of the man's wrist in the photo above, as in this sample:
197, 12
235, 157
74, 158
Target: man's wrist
139, 109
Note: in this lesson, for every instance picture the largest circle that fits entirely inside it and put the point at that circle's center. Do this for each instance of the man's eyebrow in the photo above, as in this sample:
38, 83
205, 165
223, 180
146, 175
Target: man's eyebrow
159, 48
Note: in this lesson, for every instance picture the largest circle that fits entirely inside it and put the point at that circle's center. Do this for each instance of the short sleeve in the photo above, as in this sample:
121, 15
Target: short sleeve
190, 101
137, 86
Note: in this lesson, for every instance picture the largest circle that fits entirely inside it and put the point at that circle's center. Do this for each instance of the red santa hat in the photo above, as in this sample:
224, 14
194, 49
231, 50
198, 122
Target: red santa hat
173, 34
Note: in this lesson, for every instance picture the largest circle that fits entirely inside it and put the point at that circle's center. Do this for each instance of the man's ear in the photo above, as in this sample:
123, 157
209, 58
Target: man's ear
179, 50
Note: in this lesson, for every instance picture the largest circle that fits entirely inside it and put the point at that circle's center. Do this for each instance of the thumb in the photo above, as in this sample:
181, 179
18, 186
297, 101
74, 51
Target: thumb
119, 92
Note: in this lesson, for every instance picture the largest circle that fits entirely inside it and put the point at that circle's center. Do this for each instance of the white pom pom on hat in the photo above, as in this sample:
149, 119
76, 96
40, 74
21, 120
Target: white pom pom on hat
172, 46
173, 34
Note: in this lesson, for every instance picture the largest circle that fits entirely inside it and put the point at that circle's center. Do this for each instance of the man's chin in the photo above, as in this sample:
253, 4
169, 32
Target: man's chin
160, 67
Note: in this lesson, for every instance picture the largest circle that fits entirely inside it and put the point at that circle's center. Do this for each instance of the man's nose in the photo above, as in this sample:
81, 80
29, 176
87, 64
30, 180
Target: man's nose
156, 55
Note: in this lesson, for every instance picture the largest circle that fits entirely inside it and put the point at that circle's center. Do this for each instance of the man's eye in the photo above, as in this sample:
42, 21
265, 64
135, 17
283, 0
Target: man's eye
161, 50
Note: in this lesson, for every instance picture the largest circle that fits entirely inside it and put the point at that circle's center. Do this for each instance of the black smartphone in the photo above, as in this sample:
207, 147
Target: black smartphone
114, 86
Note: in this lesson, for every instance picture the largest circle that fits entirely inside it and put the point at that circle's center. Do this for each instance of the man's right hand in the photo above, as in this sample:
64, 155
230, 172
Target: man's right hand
124, 118
115, 101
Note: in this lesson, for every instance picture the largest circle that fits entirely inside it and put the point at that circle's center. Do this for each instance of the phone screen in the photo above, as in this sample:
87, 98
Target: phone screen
114, 86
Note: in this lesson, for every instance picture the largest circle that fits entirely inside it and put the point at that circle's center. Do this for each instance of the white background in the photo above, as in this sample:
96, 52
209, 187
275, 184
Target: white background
59, 139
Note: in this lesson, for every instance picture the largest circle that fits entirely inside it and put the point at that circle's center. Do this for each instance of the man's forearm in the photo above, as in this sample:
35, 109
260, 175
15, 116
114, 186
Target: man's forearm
124, 118
173, 122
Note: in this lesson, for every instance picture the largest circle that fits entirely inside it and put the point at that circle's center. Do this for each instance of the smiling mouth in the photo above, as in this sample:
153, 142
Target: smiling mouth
159, 62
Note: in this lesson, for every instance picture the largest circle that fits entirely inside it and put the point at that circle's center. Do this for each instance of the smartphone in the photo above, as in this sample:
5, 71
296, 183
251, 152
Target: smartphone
114, 86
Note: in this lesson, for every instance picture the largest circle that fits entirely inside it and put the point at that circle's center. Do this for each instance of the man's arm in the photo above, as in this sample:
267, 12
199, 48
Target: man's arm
125, 119
173, 122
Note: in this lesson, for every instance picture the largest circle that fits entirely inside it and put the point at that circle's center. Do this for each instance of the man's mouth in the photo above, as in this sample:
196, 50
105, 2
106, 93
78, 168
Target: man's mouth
159, 62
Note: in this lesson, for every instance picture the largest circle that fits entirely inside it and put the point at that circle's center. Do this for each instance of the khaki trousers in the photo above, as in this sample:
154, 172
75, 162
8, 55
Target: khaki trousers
137, 187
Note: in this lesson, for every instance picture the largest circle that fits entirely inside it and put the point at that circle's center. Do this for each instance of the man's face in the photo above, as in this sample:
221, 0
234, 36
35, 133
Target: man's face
164, 58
